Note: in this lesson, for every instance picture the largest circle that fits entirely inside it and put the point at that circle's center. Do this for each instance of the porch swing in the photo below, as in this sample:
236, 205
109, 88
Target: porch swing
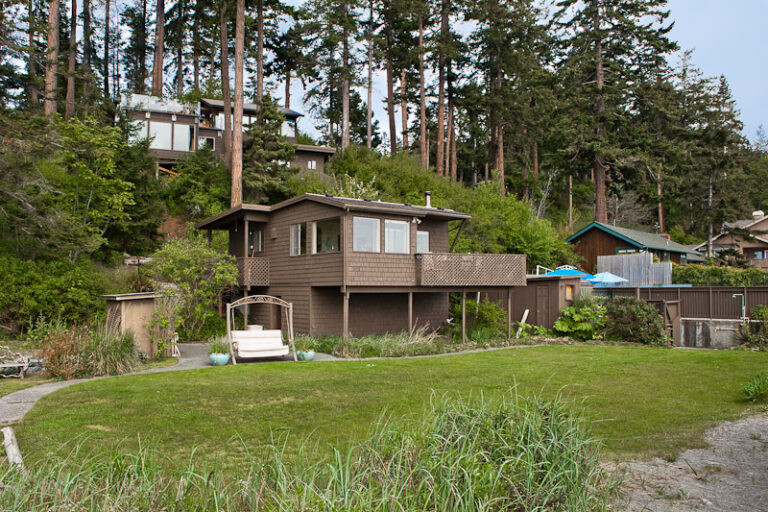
254, 341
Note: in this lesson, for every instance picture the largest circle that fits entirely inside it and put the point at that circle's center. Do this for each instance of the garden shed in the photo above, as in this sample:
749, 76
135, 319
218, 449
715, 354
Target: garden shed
133, 312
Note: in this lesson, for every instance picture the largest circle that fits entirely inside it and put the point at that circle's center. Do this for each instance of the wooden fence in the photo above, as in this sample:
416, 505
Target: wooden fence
637, 269
719, 302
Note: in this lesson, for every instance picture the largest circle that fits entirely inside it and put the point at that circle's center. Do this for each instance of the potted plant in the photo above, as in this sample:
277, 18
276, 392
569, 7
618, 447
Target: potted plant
219, 352
303, 352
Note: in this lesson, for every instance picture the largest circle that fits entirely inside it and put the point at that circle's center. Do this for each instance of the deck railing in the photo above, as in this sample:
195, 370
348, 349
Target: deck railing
491, 270
253, 271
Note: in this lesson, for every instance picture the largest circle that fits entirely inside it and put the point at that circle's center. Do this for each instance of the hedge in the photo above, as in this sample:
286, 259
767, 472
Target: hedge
710, 275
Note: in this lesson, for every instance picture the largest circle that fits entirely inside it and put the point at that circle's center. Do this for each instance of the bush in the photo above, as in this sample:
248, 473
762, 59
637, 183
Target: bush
584, 320
754, 334
709, 275
191, 275
634, 320
485, 320
419, 342
83, 352
218, 346
54, 289
756, 388
515, 455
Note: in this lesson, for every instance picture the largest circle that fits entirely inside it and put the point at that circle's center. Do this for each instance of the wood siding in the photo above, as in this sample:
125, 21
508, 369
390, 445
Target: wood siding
596, 242
544, 298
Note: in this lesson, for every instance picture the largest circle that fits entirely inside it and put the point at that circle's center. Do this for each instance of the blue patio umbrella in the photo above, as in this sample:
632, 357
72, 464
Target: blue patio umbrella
567, 272
606, 278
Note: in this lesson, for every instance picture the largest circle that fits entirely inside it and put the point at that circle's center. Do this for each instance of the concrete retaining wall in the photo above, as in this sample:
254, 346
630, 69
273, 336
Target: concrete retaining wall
709, 333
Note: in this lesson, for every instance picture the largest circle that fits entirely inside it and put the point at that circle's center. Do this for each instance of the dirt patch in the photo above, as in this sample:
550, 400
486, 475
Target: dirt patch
730, 475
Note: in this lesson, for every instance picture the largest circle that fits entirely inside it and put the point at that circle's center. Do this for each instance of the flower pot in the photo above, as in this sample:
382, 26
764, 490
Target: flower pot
305, 355
219, 359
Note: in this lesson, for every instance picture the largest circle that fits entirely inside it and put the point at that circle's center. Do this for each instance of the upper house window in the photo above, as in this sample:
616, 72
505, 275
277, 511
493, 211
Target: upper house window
422, 242
255, 241
183, 136
397, 237
298, 239
366, 237
326, 235
161, 135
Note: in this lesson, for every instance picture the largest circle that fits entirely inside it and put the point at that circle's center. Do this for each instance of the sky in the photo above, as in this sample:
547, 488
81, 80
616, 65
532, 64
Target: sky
728, 37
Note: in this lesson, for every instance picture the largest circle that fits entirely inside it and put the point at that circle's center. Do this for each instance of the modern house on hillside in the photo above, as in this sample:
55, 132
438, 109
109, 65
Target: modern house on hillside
749, 237
598, 239
176, 128
357, 266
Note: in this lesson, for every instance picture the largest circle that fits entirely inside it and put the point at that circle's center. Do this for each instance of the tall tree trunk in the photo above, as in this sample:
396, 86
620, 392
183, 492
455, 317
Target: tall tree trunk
237, 132
180, 5
49, 105
526, 163
711, 226
570, 202
143, 49
345, 128
288, 88
391, 95
601, 210
259, 50
196, 48
450, 152
498, 161
404, 109
69, 105
225, 92
157, 64
661, 204
107, 22
34, 91
87, 51
441, 91
423, 143
369, 106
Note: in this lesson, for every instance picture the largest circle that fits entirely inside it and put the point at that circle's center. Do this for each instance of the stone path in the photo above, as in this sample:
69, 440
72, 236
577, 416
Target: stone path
730, 475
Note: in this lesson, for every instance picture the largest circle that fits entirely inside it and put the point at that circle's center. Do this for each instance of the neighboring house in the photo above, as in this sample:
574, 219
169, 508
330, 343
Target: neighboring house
177, 129
357, 266
598, 239
754, 246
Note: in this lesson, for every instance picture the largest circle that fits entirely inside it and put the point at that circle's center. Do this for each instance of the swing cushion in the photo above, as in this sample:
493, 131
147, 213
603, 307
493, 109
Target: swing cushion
252, 344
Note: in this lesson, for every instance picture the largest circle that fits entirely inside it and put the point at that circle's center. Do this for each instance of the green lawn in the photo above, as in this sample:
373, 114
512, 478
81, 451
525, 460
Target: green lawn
646, 401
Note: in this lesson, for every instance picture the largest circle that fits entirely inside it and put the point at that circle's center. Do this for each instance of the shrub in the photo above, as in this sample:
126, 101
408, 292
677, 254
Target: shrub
83, 352
756, 388
584, 320
418, 342
709, 275
634, 320
192, 275
55, 289
485, 320
514, 455
218, 346
754, 334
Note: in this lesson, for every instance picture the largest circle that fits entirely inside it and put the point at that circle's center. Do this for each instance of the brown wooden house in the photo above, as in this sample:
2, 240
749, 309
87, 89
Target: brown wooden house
175, 129
357, 266
748, 237
598, 239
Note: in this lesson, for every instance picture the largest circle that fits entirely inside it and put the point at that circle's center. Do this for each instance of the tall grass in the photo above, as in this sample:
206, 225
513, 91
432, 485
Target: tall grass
86, 352
519, 454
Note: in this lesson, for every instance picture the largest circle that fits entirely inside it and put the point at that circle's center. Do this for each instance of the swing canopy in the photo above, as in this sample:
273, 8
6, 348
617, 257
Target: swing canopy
255, 341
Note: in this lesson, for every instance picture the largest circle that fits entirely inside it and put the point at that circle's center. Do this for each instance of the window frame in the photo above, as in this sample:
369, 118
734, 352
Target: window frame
314, 236
377, 238
407, 226
301, 248
258, 236
154, 139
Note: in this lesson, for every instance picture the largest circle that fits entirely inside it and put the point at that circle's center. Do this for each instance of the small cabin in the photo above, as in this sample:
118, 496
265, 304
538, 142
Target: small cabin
358, 266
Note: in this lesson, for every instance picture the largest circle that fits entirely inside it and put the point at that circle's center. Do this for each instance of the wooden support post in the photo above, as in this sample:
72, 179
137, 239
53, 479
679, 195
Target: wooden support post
12, 452
290, 331
463, 317
710, 302
246, 311
229, 334
345, 318
410, 311
509, 314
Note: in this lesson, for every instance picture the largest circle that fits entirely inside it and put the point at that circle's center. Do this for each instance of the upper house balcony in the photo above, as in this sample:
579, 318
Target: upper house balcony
470, 270
252, 271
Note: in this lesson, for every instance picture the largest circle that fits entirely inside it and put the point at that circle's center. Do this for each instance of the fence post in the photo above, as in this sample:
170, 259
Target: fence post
710, 302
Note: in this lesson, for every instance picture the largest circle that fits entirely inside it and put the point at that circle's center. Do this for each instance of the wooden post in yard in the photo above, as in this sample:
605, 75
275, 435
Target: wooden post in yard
410, 311
509, 314
345, 318
12, 452
464, 317
290, 331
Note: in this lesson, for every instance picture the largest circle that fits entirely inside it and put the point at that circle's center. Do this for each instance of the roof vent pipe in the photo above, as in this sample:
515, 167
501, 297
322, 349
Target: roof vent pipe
758, 214
428, 199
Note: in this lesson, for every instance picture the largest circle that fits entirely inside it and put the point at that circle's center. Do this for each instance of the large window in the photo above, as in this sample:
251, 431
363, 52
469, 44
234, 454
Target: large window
138, 130
422, 242
183, 135
298, 239
208, 142
397, 237
326, 235
365, 236
161, 135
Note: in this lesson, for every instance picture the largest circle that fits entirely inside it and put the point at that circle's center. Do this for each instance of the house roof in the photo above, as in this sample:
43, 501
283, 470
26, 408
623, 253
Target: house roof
315, 149
248, 108
346, 203
636, 238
